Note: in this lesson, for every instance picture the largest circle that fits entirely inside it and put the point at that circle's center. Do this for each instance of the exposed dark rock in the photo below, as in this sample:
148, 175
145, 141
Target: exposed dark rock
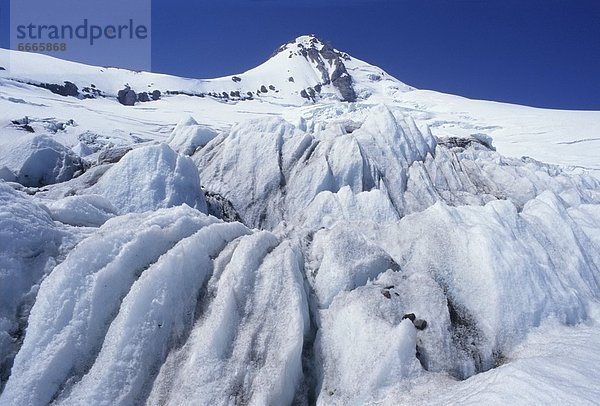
466, 337
2, 68
220, 207
343, 82
374, 78
235, 93
304, 94
328, 52
143, 97
249, 94
91, 92
225, 95
410, 316
386, 293
421, 355
271, 87
236, 79
112, 155
156, 95
344, 85
23, 124
68, 89
340, 77
178, 92
420, 324
458, 142
263, 89
127, 97
318, 88
291, 79
313, 55
21, 121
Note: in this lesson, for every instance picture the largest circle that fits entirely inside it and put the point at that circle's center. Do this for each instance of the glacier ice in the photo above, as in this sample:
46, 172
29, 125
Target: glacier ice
29, 245
37, 160
84, 210
149, 178
188, 136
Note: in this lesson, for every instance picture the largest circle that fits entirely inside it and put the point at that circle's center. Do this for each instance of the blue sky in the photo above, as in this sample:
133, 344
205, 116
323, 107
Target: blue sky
540, 53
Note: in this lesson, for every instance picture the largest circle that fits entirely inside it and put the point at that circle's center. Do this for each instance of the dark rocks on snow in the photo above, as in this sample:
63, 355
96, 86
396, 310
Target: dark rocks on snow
68, 89
343, 82
21, 121
127, 97
143, 97
291, 79
410, 316
340, 77
112, 155
263, 89
387, 292
328, 52
463, 143
420, 324
467, 338
271, 87
236, 79
2, 68
220, 207
91, 92
156, 95
309, 93
23, 124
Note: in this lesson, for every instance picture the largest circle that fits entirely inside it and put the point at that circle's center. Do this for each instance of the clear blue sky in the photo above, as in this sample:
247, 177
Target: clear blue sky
536, 52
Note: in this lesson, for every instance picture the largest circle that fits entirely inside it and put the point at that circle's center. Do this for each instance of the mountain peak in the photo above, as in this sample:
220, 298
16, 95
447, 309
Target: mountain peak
303, 41
326, 61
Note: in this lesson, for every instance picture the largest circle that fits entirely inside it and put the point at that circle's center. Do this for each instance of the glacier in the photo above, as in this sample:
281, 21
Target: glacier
325, 234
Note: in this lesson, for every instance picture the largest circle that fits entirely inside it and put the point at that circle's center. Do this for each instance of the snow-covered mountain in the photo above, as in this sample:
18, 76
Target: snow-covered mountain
310, 231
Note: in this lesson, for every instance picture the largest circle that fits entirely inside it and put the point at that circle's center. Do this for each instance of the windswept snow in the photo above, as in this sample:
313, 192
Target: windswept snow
479, 220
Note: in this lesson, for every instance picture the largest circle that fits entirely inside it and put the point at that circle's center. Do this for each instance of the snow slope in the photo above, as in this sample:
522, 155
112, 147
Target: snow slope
337, 238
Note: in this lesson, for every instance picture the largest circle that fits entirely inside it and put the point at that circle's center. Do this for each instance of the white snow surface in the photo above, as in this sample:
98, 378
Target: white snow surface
188, 136
36, 160
149, 178
125, 279
86, 210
